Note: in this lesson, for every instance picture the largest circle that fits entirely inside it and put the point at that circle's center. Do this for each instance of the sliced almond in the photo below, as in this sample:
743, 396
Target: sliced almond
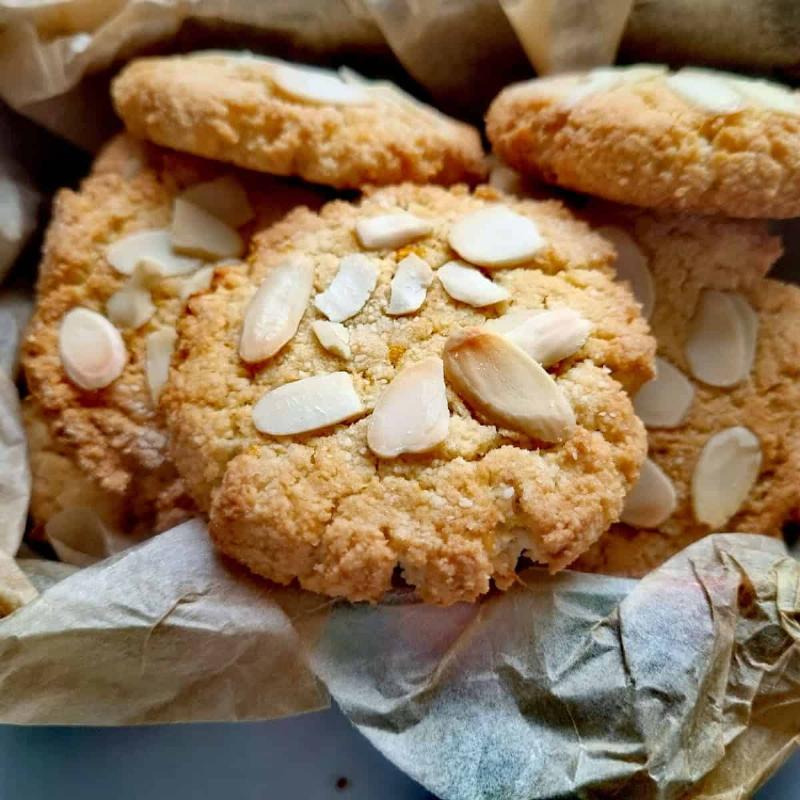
350, 288
390, 231
632, 266
276, 309
547, 336
721, 339
411, 416
92, 351
132, 306
707, 89
505, 179
308, 405
223, 198
651, 500
410, 284
724, 475
317, 86
749, 320
198, 282
158, 347
469, 285
195, 232
768, 95
506, 385
154, 246
496, 237
333, 336
664, 401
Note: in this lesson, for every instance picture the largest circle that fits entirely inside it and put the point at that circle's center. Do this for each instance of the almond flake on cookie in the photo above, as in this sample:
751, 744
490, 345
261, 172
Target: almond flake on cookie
317, 86
390, 231
350, 289
224, 198
195, 232
333, 336
411, 415
409, 286
664, 401
469, 285
132, 305
631, 265
308, 405
159, 346
91, 349
149, 245
652, 500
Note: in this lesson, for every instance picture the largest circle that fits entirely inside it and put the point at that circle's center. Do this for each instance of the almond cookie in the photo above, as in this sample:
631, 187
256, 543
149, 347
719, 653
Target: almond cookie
693, 140
289, 119
110, 290
722, 414
429, 380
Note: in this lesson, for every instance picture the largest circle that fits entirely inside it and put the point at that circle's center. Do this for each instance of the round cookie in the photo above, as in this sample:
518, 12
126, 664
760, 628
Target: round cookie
288, 119
427, 477
694, 140
723, 420
112, 437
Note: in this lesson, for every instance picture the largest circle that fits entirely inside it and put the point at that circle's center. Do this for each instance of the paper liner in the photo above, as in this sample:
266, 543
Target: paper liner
15, 477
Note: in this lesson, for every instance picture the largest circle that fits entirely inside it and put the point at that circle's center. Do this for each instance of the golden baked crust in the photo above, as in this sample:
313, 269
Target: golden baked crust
687, 255
112, 439
226, 108
643, 144
321, 507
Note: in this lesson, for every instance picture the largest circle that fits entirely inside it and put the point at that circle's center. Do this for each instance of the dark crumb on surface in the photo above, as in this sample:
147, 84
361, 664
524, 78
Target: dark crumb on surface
342, 783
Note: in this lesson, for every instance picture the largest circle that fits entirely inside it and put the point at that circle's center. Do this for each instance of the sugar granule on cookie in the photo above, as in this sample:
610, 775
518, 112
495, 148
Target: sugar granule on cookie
264, 114
425, 441
694, 140
118, 268
722, 411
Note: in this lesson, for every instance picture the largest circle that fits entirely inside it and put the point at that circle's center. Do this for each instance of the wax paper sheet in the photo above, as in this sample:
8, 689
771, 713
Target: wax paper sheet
15, 478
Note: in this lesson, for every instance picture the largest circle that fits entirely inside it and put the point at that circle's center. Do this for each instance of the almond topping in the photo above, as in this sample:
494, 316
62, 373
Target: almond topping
651, 500
159, 346
664, 401
350, 288
195, 232
317, 86
92, 351
469, 285
724, 475
707, 89
223, 198
506, 385
200, 281
547, 335
411, 416
410, 284
722, 339
275, 310
632, 266
132, 306
308, 405
333, 336
390, 231
505, 179
766, 94
149, 245
496, 237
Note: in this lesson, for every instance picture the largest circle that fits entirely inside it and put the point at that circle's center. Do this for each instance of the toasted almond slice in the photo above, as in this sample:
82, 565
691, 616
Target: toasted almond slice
154, 246
719, 346
496, 237
706, 89
505, 179
411, 416
159, 346
276, 309
766, 94
632, 266
390, 231
651, 500
350, 288
92, 351
664, 401
317, 86
547, 336
749, 320
410, 284
132, 306
308, 405
506, 385
724, 475
200, 281
469, 285
195, 232
223, 198
333, 336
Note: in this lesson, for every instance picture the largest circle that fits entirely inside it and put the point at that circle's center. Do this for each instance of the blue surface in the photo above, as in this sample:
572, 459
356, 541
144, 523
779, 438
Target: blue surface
303, 757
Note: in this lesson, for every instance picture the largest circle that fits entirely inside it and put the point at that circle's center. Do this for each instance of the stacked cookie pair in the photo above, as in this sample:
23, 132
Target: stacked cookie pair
424, 381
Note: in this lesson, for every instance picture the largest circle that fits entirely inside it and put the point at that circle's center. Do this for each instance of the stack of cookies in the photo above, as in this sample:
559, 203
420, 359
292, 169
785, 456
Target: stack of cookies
283, 300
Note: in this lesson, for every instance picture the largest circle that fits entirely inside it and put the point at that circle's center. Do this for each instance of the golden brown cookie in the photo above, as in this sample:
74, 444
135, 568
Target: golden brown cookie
695, 140
98, 344
289, 119
722, 415
359, 399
